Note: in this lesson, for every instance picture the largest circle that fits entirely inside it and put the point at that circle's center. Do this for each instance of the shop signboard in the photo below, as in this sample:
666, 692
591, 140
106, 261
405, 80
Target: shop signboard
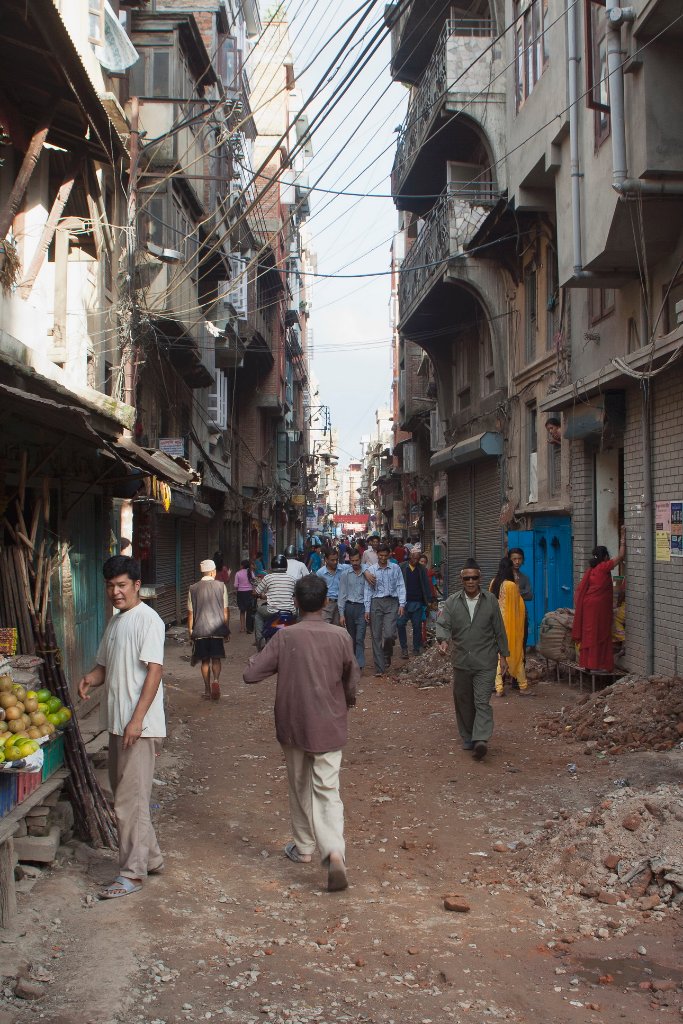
173, 446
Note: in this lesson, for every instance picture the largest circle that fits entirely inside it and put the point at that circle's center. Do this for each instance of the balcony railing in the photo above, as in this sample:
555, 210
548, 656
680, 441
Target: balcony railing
447, 229
443, 72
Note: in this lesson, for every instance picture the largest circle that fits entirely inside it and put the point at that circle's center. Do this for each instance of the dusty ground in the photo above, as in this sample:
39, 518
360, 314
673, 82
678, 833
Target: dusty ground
235, 932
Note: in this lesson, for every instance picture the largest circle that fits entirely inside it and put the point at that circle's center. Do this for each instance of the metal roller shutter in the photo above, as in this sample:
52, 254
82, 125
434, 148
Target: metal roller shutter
460, 527
165, 567
201, 543
487, 529
189, 563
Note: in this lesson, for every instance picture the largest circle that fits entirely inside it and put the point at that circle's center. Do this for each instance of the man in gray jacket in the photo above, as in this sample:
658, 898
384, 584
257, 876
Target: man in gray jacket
471, 619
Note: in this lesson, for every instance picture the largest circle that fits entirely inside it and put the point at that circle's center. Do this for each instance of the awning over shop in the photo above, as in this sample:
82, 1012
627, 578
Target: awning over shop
156, 462
202, 510
52, 416
39, 62
481, 446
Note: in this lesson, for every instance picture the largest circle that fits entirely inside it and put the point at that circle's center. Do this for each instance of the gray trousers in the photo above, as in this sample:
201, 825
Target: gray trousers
331, 612
383, 618
131, 773
472, 692
354, 616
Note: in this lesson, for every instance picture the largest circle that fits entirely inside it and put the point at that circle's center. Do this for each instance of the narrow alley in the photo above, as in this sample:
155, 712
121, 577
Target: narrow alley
233, 931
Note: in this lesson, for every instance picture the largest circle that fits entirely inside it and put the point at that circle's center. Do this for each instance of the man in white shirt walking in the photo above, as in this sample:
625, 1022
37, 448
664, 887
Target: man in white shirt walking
129, 662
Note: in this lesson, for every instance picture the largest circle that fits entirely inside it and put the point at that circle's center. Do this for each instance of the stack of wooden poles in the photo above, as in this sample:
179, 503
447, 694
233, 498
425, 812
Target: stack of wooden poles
26, 572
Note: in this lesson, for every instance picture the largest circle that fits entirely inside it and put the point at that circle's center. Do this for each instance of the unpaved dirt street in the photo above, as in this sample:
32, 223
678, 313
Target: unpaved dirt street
233, 931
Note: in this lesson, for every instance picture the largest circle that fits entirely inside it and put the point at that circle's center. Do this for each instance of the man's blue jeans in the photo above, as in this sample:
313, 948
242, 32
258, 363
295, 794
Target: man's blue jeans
354, 616
411, 613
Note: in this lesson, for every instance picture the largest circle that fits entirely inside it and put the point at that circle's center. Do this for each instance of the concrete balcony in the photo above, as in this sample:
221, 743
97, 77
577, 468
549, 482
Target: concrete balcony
445, 232
456, 113
413, 36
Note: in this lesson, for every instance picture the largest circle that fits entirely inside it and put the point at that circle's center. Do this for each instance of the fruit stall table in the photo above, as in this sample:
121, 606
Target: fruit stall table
8, 826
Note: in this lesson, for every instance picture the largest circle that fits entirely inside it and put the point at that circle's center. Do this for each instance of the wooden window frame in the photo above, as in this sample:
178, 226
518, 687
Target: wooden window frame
148, 54
488, 372
554, 470
598, 307
531, 54
532, 449
552, 289
463, 377
530, 315
96, 10
595, 81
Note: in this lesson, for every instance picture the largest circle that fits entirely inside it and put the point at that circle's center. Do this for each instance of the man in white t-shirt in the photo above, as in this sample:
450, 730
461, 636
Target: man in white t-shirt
296, 569
129, 662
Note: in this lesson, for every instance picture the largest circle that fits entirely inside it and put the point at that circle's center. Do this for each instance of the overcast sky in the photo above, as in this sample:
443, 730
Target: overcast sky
350, 318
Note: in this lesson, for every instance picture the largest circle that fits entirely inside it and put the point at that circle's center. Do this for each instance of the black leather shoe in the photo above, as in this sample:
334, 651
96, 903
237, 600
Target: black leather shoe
480, 750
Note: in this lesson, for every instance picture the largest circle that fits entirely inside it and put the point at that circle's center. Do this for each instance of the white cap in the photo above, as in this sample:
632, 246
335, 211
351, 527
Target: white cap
208, 565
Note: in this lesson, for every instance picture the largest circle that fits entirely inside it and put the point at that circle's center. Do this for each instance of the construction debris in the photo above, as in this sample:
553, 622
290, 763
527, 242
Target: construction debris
624, 853
427, 669
632, 714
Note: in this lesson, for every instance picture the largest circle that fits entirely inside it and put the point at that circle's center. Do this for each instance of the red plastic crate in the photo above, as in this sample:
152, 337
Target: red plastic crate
27, 783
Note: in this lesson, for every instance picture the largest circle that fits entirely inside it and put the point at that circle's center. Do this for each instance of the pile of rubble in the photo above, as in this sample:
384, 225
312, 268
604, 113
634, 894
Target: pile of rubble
427, 669
433, 669
632, 714
623, 854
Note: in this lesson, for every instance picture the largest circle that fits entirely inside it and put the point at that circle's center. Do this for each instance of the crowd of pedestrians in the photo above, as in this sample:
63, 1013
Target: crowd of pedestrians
335, 591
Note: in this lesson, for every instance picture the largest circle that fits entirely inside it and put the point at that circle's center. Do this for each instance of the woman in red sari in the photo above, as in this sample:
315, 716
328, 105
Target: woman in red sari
593, 609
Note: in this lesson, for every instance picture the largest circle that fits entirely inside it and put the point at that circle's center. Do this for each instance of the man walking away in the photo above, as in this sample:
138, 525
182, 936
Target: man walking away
418, 597
332, 572
471, 619
385, 598
317, 676
278, 589
351, 605
129, 662
208, 618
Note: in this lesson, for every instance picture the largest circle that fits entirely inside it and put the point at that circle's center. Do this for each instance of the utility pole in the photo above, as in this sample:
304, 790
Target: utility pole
129, 330
128, 347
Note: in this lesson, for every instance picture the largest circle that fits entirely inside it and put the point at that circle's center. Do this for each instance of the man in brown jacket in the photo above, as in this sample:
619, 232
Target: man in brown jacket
317, 676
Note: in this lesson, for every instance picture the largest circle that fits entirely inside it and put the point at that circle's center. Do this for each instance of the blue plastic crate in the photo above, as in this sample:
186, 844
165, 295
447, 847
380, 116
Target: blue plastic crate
8, 793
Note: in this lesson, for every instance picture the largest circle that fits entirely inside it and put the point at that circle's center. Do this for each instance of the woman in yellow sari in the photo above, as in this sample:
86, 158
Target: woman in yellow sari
512, 609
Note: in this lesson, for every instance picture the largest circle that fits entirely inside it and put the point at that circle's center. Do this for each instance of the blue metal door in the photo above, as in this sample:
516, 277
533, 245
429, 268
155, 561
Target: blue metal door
548, 563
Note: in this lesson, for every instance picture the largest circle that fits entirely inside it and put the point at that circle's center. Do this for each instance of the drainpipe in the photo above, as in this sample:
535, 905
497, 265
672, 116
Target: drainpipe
621, 183
573, 58
648, 530
575, 170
